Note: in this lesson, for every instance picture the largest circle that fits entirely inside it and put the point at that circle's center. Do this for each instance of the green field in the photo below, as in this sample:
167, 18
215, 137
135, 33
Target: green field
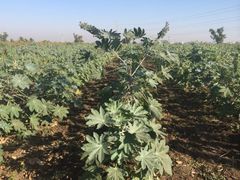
124, 108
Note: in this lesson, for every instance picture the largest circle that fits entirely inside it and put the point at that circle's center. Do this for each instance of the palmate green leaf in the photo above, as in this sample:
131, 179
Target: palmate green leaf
119, 119
98, 119
147, 42
1, 154
95, 149
140, 130
163, 32
136, 110
156, 127
13, 110
148, 160
34, 104
32, 68
9, 110
155, 158
135, 128
128, 36
34, 121
114, 173
152, 82
164, 160
153, 79
21, 81
114, 155
225, 91
138, 32
26, 133
113, 107
47, 106
155, 107
18, 125
4, 114
60, 111
165, 71
121, 157
160, 146
6, 127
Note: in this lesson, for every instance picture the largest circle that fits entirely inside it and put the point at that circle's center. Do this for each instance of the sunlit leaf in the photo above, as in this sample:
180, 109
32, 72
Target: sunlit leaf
114, 173
21, 81
97, 118
95, 148
60, 111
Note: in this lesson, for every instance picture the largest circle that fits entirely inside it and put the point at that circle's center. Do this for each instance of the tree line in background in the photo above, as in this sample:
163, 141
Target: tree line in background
217, 36
4, 37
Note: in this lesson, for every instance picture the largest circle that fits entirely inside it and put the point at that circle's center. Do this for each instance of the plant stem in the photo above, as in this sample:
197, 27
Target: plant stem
138, 67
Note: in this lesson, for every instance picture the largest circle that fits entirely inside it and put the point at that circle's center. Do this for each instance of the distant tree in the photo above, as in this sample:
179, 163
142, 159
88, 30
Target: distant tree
164, 31
31, 40
77, 38
21, 38
3, 36
217, 35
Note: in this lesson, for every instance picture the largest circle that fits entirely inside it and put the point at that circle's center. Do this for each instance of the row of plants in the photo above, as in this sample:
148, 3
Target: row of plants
213, 69
39, 82
125, 135
127, 141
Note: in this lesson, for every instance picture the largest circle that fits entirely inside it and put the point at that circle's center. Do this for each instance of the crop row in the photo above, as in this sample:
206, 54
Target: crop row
39, 82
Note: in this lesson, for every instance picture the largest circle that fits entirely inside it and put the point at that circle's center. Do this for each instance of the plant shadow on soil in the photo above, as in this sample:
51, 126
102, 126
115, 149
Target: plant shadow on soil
195, 129
192, 127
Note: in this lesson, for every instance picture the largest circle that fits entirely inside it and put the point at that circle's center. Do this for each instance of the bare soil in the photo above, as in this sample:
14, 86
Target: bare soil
203, 145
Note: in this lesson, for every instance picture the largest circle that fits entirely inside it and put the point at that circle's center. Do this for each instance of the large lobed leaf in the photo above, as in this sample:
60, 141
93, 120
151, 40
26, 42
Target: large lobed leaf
34, 104
155, 158
114, 173
60, 111
95, 149
1, 154
97, 118
21, 81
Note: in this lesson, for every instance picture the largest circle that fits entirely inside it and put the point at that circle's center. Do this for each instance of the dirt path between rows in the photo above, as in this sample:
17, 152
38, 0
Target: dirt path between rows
202, 144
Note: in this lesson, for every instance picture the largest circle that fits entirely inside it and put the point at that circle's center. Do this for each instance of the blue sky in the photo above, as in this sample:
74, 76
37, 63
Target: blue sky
57, 20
